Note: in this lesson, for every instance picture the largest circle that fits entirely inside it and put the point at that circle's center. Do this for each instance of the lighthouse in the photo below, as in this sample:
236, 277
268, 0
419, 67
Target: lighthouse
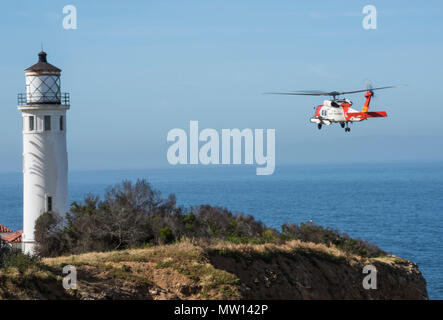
45, 158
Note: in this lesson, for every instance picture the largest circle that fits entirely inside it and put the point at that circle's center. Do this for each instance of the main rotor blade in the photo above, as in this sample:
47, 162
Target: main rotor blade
310, 92
300, 93
369, 89
331, 93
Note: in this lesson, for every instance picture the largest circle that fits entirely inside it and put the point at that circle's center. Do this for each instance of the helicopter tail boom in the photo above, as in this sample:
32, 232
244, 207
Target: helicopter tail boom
365, 115
376, 114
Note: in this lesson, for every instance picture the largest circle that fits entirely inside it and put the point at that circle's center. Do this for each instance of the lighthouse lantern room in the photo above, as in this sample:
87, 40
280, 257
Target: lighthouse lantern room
45, 160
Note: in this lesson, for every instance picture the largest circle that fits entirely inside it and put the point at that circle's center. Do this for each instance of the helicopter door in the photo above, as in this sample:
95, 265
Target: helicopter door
324, 112
327, 113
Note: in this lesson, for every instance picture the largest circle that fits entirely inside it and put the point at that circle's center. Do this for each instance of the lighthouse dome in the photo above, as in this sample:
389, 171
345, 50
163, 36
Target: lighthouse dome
43, 82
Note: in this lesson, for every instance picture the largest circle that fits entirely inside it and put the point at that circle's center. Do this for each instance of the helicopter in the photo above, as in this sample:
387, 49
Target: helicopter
338, 110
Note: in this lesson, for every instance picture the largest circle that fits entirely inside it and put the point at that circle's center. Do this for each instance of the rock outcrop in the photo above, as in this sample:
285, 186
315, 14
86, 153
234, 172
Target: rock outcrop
186, 270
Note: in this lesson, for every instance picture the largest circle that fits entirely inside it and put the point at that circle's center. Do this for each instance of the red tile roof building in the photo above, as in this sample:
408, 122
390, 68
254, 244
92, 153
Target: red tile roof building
4, 229
15, 237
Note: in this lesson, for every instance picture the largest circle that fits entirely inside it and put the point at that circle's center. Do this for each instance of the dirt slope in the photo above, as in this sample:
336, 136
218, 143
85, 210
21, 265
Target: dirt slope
294, 270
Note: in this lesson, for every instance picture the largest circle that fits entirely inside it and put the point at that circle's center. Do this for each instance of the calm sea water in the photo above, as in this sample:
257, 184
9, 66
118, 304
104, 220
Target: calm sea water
397, 206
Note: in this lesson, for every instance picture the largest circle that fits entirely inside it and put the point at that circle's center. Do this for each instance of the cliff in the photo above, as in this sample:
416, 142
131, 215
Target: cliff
186, 270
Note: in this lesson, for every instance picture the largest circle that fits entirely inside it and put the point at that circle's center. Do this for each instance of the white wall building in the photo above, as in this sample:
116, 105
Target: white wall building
45, 160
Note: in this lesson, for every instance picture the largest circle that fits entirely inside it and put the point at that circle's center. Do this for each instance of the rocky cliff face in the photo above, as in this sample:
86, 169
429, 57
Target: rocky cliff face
310, 274
294, 270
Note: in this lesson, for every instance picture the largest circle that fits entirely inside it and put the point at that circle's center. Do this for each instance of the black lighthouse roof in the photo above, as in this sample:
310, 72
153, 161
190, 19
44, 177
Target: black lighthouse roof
42, 65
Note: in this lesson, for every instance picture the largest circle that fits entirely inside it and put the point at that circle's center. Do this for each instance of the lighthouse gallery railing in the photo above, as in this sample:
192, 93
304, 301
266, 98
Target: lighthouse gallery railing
24, 99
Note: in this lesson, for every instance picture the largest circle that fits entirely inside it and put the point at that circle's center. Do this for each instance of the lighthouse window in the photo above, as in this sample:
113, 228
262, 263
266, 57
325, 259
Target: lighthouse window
47, 123
61, 123
49, 204
31, 123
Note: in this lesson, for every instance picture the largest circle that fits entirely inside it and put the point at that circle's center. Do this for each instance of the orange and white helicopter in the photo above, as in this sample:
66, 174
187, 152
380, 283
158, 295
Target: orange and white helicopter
339, 110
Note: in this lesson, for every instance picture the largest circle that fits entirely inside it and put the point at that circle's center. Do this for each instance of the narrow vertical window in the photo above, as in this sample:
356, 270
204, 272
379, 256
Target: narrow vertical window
31, 123
49, 204
62, 127
47, 123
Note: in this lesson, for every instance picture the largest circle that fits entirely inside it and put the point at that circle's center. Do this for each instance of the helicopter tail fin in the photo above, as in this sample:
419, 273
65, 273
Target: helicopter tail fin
368, 96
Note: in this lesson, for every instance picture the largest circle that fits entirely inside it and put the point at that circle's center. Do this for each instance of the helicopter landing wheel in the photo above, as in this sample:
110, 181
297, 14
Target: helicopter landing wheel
347, 129
319, 126
342, 124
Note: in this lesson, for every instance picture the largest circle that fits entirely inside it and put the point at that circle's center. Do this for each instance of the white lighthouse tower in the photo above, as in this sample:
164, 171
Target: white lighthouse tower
45, 159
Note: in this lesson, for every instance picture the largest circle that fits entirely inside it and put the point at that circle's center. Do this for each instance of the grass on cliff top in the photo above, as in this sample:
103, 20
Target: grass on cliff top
183, 263
191, 259
187, 251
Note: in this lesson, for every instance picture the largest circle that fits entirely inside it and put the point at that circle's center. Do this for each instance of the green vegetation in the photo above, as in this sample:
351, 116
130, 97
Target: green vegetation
14, 258
134, 215
309, 232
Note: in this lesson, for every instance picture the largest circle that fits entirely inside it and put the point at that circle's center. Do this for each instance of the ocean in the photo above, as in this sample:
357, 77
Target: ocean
397, 206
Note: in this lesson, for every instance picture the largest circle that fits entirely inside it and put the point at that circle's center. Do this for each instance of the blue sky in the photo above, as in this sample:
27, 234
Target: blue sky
136, 69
